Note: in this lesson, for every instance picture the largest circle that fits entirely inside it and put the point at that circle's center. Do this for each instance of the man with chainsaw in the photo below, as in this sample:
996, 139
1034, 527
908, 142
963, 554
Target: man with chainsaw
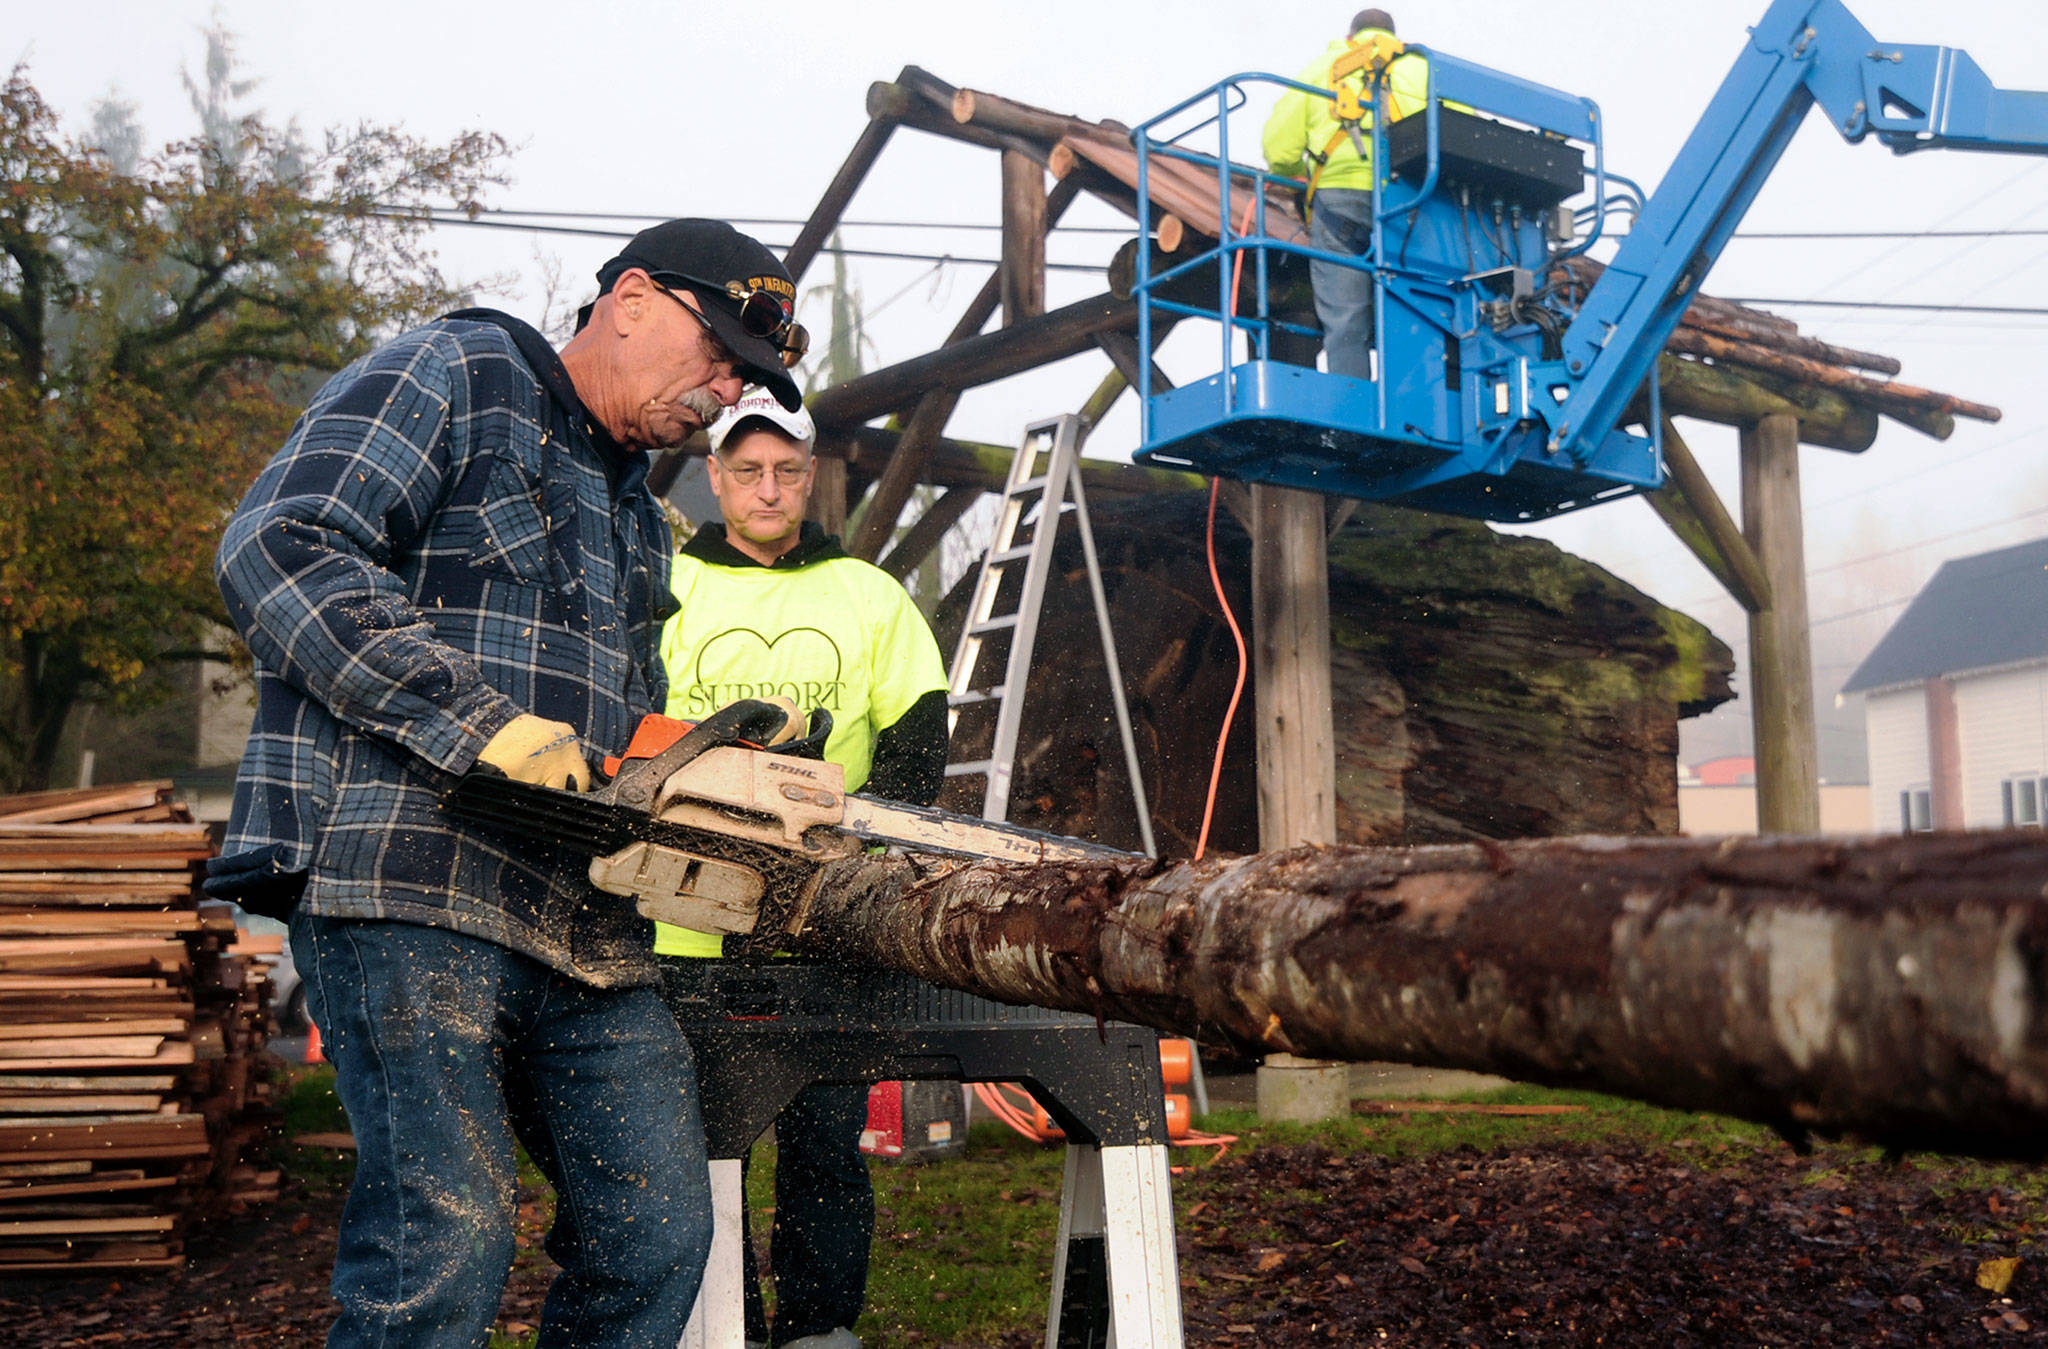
1312, 138
454, 567
770, 606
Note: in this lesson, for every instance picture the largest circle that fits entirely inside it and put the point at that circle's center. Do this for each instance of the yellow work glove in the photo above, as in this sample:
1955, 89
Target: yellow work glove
534, 749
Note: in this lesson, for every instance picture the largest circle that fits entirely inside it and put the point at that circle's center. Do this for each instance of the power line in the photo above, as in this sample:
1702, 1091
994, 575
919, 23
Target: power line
893, 255
1892, 304
842, 252
654, 217
2013, 519
1892, 234
792, 222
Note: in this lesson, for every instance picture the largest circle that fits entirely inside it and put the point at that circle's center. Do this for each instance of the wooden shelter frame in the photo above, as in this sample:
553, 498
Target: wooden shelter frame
1726, 364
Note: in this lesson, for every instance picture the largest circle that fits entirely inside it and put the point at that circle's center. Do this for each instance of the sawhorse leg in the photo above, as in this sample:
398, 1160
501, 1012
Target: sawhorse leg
1115, 1279
719, 1321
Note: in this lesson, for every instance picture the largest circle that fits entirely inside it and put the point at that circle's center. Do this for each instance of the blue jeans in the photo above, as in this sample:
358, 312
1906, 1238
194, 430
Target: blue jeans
445, 1049
824, 1215
1342, 223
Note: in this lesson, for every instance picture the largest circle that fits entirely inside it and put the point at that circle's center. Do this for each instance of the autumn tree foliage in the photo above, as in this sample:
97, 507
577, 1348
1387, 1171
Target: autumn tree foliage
162, 316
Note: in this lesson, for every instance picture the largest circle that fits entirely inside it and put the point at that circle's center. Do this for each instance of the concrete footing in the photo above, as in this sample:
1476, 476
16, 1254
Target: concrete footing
1303, 1090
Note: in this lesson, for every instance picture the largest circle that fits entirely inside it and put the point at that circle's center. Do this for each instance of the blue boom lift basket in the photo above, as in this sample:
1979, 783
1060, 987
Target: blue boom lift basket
1467, 360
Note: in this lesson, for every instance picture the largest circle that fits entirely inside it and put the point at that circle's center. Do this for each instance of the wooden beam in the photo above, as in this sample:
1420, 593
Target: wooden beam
919, 540
910, 109
825, 216
1717, 542
1884, 395
1122, 350
1100, 402
928, 420
977, 360
1780, 645
1291, 641
996, 113
900, 475
979, 464
1725, 397
1024, 226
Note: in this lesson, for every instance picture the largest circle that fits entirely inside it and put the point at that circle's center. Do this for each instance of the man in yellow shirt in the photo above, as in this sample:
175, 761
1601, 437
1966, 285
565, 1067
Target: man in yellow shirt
1304, 139
772, 606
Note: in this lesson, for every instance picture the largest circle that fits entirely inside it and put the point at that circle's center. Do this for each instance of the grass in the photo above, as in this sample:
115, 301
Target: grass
963, 1249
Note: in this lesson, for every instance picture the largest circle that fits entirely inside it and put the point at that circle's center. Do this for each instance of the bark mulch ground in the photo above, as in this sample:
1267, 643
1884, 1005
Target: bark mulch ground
1564, 1243
1608, 1244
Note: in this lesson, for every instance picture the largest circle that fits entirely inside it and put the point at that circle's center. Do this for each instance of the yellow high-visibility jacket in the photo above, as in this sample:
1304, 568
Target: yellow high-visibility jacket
1302, 123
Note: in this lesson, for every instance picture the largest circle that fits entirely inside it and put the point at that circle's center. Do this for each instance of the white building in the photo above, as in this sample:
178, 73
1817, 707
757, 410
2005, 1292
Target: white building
1956, 699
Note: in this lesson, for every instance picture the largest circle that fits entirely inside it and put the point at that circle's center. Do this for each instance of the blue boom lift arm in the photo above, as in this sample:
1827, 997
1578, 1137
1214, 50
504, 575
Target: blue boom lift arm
1803, 52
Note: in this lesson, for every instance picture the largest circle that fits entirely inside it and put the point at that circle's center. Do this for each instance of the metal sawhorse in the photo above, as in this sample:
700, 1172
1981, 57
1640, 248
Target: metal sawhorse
762, 1030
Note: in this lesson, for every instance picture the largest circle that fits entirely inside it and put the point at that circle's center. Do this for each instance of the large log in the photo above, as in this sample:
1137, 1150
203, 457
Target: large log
1892, 989
1883, 395
1486, 685
1730, 397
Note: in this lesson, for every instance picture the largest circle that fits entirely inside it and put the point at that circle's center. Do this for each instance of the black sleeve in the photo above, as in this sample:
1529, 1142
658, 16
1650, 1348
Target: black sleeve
910, 756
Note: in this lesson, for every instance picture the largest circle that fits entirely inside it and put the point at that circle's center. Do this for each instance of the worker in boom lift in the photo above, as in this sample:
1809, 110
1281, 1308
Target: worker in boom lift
1306, 139
772, 606
454, 565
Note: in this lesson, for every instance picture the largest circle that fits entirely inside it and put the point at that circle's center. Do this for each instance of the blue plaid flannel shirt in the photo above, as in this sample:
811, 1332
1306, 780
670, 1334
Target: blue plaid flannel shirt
445, 541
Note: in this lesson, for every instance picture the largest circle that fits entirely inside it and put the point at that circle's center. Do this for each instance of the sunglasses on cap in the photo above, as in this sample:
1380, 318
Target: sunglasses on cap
761, 314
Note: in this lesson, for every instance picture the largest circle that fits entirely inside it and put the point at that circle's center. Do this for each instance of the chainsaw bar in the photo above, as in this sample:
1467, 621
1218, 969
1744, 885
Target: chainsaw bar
591, 825
586, 824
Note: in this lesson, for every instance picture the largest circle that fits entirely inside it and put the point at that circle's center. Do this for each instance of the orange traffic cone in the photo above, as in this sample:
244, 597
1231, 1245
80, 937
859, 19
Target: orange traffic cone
313, 1054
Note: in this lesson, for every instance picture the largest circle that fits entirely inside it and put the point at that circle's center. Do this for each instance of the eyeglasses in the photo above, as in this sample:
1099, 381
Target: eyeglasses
786, 475
761, 313
720, 353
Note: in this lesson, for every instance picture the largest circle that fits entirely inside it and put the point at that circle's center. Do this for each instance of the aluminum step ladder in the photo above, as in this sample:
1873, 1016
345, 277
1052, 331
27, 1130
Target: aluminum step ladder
1044, 484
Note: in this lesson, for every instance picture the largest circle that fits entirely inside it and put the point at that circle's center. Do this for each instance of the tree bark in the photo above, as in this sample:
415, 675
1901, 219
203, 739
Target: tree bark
1892, 988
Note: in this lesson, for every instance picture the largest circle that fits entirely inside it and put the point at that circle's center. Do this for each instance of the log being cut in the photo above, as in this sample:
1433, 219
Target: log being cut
1890, 989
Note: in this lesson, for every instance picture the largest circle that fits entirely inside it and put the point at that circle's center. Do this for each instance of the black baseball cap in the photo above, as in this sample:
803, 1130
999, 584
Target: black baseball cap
718, 265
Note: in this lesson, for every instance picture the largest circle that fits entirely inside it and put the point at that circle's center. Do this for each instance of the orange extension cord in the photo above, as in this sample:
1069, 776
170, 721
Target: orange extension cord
995, 1096
1012, 1105
1236, 634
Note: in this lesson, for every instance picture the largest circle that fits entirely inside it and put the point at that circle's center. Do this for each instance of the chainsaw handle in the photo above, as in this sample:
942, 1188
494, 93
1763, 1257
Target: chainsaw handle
639, 778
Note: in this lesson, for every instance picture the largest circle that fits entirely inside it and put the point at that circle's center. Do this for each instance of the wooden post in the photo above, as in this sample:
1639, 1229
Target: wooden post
1023, 238
828, 494
1780, 646
1296, 741
1291, 637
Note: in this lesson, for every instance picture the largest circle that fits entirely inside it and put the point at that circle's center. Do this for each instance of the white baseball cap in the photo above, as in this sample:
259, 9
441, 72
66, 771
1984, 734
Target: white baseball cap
758, 402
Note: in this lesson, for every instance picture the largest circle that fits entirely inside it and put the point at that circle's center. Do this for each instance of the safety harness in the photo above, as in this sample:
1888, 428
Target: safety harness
1375, 54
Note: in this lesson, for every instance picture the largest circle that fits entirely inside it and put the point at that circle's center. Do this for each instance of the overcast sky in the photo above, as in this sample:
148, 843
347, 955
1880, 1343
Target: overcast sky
746, 110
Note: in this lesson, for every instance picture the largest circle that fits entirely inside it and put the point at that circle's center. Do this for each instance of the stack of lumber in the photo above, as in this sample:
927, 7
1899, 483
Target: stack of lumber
130, 1033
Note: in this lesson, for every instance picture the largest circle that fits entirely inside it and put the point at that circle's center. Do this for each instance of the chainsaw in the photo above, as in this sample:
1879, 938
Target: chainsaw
697, 821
